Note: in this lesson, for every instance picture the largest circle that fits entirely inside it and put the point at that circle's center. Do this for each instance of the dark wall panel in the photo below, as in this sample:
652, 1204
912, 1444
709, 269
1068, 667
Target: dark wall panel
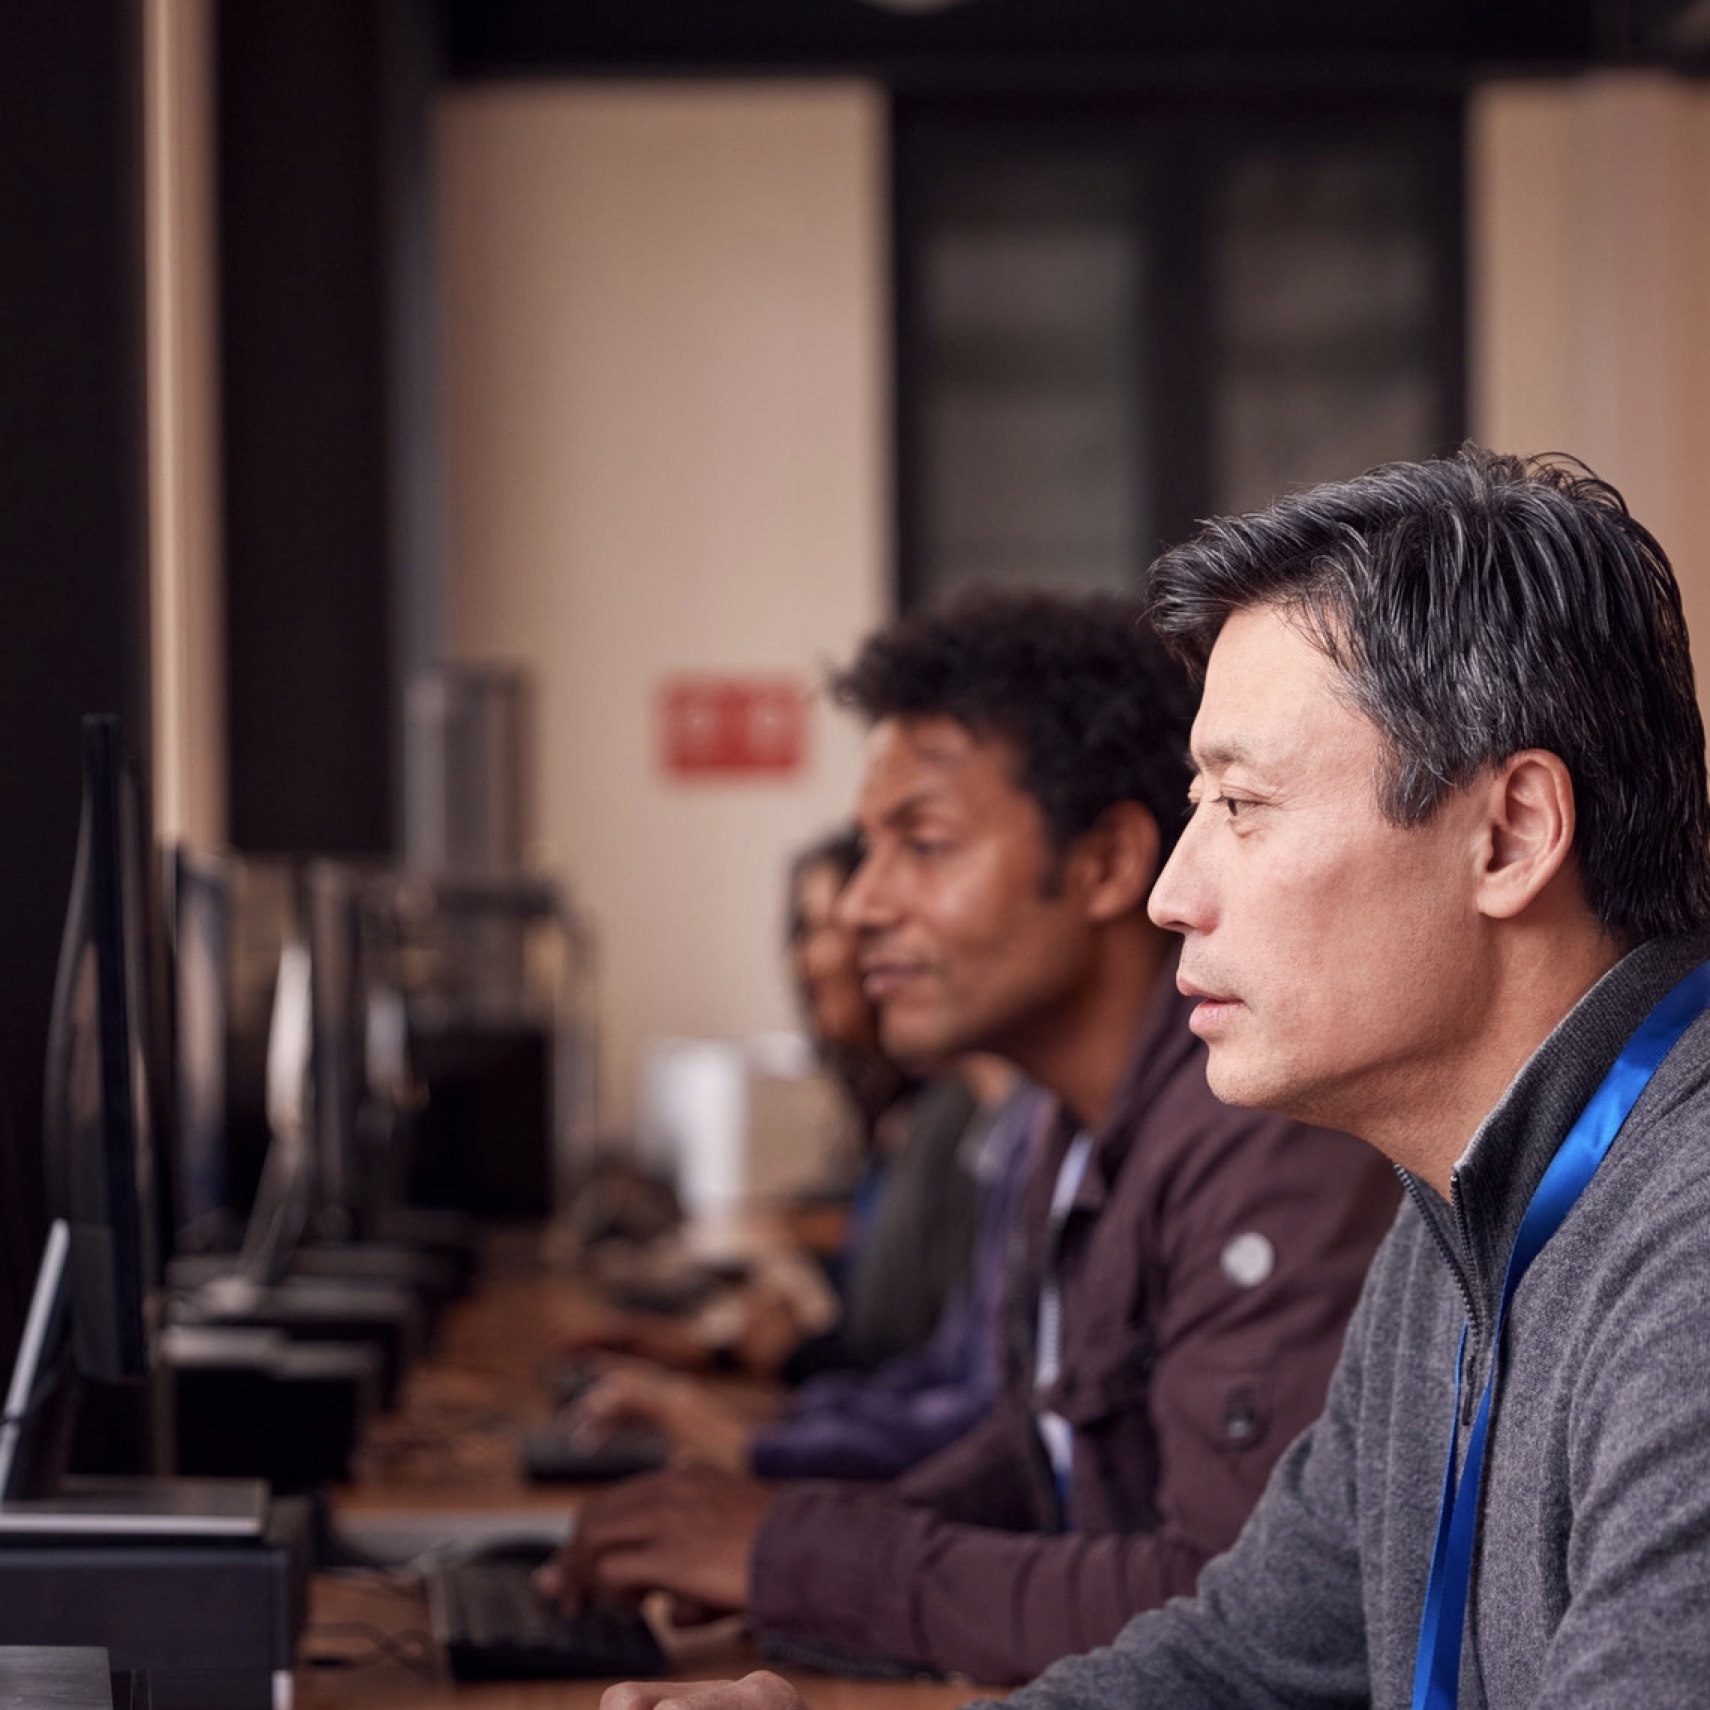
74, 637
304, 341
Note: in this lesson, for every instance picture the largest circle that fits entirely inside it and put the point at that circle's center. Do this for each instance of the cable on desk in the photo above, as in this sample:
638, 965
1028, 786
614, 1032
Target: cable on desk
413, 1648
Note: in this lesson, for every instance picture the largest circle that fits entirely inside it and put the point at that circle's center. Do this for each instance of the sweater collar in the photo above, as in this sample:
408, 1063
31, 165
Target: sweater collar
1506, 1158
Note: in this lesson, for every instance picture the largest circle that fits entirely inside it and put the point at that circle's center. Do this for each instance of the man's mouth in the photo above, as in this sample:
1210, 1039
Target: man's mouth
1210, 1008
882, 980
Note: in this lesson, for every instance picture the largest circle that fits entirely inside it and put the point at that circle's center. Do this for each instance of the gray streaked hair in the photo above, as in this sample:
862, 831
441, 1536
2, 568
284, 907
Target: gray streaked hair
1478, 605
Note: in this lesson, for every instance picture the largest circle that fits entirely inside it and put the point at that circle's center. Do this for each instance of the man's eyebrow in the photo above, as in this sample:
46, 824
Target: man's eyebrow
1226, 751
927, 796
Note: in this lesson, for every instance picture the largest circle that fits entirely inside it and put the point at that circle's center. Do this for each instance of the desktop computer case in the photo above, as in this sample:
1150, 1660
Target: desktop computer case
214, 1624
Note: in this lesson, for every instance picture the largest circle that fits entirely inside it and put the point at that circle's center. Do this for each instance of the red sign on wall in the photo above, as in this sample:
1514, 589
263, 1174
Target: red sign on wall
733, 725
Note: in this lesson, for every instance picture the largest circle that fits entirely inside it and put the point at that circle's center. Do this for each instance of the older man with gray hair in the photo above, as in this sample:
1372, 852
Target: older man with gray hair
1446, 886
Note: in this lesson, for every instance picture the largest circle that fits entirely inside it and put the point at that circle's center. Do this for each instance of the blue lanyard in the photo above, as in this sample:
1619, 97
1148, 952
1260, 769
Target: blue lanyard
1436, 1673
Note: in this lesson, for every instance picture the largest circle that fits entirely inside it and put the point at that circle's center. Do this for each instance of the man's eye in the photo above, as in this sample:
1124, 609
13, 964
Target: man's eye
1231, 805
928, 848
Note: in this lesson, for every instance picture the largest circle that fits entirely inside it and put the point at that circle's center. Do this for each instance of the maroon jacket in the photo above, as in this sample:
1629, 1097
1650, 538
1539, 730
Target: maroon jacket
1207, 1266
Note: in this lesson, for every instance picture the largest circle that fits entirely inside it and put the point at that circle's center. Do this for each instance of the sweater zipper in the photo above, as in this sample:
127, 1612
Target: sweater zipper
1475, 1318
1471, 1384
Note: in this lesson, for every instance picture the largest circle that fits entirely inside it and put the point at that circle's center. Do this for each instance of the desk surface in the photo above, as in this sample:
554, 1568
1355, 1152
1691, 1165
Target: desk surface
349, 1619
451, 1451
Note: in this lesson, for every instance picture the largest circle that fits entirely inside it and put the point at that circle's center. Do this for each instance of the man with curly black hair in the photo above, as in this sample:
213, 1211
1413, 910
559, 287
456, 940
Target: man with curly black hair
1183, 1269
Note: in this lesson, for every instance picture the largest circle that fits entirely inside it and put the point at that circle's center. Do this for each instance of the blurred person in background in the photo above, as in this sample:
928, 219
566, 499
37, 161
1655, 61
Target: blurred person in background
853, 1424
909, 1224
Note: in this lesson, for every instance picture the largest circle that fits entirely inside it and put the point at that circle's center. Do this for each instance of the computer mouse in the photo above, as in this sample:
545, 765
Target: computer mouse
566, 1456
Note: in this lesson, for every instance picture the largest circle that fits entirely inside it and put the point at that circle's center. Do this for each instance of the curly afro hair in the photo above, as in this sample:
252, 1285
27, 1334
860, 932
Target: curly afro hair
1095, 709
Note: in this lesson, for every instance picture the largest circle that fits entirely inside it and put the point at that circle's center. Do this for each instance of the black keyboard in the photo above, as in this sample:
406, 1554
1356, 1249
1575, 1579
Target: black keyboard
493, 1625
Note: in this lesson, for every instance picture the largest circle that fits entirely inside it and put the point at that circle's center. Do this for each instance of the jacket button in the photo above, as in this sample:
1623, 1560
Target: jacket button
1241, 1418
1248, 1259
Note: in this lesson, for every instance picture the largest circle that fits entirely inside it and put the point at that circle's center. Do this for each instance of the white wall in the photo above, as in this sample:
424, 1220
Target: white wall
1591, 294
666, 419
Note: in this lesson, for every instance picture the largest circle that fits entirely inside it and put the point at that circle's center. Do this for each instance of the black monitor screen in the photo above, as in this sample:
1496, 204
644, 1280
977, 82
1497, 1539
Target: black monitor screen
99, 1143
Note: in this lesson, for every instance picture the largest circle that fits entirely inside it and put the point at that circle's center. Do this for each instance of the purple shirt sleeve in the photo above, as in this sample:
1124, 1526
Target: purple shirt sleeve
848, 1426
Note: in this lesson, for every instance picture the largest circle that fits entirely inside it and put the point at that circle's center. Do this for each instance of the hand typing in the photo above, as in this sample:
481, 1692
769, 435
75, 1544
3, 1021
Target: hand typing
700, 1424
689, 1530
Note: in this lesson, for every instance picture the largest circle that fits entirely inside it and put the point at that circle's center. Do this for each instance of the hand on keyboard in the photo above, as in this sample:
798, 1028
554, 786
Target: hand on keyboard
689, 1531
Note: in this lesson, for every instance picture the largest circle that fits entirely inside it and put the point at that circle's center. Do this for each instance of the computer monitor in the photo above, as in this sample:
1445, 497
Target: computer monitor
35, 1423
98, 1296
333, 910
285, 1198
333, 1055
224, 909
200, 925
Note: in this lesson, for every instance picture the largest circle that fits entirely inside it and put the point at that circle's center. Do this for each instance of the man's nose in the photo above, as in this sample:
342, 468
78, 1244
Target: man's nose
1177, 902
858, 901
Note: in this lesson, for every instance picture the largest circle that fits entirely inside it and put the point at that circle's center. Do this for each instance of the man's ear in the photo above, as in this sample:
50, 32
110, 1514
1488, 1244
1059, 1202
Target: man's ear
1529, 830
1118, 860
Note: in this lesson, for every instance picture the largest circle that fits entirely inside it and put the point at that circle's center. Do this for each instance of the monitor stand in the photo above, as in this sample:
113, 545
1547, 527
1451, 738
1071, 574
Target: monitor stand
306, 1309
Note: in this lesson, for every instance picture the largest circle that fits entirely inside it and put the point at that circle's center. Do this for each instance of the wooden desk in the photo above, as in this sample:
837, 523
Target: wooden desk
347, 1617
453, 1442
452, 1449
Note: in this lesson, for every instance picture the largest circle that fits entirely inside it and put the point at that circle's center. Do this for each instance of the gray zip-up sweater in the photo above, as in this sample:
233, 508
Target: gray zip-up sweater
1591, 1576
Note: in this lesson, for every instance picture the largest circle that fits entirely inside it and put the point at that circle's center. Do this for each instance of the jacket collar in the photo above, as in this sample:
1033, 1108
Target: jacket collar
1161, 1043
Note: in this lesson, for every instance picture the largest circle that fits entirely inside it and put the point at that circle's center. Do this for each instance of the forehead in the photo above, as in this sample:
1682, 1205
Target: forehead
1273, 700
914, 765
